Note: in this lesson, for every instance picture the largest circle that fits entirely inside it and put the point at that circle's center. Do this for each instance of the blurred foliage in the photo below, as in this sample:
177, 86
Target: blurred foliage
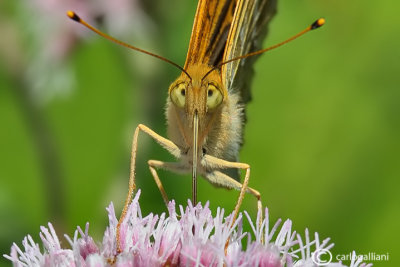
322, 136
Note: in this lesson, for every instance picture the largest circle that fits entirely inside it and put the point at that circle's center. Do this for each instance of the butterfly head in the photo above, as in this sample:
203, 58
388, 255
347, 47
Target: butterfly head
192, 95
195, 94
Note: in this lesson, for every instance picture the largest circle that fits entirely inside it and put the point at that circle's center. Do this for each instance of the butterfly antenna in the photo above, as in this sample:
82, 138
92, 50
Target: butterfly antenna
72, 15
315, 25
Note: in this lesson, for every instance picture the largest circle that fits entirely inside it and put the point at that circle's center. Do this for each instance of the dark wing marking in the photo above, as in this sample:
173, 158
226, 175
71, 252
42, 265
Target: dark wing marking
247, 33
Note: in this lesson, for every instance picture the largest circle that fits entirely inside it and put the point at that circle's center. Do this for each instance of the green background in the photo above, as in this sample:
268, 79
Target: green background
322, 136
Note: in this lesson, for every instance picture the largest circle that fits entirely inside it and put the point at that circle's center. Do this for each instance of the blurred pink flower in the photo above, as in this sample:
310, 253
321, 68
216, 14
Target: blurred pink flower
53, 37
58, 34
195, 239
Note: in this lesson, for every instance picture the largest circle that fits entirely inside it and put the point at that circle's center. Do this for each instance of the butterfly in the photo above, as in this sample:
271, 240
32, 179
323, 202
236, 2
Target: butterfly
206, 104
205, 108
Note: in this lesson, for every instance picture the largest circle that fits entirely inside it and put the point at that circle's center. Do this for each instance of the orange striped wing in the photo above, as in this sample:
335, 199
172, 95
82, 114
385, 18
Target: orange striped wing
210, 31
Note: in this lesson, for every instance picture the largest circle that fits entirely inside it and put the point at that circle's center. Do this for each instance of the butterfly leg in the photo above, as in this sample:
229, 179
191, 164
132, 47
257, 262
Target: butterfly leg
164, 142
169, 166
219, 178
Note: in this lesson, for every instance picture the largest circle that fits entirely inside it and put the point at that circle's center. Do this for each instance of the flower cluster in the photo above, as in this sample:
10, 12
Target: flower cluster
191, 238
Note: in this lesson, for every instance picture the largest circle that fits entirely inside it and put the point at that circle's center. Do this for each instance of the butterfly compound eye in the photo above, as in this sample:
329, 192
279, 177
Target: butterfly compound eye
178, 95
214, 97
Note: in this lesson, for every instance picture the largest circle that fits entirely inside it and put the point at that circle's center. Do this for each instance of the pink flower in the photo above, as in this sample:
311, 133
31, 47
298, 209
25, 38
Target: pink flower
192, 238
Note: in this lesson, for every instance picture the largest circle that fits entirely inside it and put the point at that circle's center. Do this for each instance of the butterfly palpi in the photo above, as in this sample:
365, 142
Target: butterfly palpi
205, 107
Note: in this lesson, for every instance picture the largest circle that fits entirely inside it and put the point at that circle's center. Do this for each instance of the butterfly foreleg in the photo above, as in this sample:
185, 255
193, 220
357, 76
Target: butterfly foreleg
165, 143
219, 178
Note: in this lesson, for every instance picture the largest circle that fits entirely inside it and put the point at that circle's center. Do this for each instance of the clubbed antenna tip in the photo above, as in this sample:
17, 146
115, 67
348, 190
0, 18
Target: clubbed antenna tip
72, 15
